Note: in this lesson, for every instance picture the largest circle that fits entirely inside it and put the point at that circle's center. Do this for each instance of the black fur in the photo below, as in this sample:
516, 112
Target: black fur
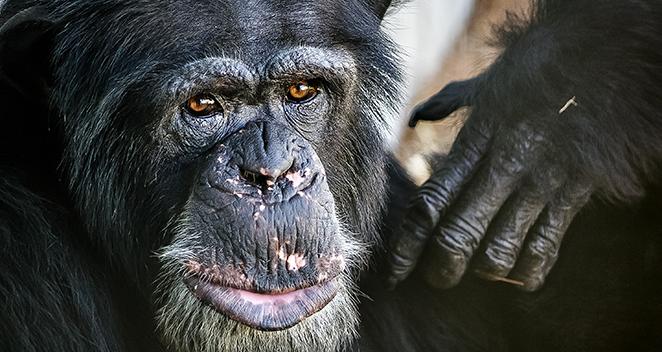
79, 228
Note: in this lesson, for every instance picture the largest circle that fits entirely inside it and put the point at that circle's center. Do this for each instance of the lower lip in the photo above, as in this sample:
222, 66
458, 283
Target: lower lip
269, 312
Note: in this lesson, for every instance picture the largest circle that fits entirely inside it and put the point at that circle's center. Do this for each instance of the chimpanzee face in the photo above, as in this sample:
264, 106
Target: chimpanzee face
259, 239
242, 143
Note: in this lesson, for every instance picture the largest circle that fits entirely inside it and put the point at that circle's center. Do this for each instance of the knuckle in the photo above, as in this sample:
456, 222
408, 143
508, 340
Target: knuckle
545, 244
400, 265
435, 193
461, 234
501, 255
470, 149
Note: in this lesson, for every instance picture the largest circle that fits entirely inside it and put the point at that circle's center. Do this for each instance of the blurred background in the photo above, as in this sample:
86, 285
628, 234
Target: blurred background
441, 41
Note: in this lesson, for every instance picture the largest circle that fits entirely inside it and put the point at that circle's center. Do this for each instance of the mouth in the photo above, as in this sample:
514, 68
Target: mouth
264, 311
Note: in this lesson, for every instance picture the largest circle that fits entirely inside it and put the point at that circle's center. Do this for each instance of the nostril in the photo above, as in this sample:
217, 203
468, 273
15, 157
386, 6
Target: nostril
261, 180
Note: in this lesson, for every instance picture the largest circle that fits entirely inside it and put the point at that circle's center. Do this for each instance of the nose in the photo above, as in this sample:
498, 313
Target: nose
268, 154
271, 157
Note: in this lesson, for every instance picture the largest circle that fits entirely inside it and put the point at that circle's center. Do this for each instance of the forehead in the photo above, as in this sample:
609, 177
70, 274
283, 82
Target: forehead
131, 41
258, 28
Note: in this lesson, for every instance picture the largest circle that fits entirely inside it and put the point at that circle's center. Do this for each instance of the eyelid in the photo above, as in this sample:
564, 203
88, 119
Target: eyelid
321, 78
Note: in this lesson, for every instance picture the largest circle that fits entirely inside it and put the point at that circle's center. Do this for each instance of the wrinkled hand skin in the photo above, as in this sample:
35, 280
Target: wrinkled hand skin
498, 207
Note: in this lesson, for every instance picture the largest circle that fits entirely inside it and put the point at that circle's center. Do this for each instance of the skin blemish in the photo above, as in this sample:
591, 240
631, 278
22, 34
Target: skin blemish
232, 181
282, 255
339, 260
193, 266
226, 275
321, 277
304, 195
330, 263
295, 262
296, 178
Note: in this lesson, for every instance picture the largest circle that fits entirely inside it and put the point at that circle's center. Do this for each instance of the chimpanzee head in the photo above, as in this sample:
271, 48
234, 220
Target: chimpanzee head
227, 156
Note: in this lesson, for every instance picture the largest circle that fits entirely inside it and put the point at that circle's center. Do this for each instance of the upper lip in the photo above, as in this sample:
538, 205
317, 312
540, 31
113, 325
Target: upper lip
270, 311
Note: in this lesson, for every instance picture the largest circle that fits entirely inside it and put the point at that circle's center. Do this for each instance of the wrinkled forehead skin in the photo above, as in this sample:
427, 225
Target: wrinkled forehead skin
256, 28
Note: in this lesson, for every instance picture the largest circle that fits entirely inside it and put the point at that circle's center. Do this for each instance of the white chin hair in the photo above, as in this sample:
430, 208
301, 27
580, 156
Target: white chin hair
186, 325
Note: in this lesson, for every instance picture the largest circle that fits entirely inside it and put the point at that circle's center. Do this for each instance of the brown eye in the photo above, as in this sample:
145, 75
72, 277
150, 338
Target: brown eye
301, 92
203, 105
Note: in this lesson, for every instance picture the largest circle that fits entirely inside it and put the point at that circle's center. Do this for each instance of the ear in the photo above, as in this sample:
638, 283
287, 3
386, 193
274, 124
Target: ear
25, 52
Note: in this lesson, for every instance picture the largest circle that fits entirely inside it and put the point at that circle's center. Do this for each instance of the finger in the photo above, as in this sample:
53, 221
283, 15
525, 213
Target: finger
434, 196
466, 223
507, 232
541, 248
452, 97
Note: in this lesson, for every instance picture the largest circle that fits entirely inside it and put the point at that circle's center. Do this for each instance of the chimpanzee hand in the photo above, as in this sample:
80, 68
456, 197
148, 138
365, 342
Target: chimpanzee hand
500, 203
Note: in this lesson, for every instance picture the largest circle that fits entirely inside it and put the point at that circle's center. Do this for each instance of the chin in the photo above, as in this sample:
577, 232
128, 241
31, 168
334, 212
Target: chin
196, 312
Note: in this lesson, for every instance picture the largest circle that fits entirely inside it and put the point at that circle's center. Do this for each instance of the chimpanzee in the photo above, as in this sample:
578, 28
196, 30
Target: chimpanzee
212, 176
